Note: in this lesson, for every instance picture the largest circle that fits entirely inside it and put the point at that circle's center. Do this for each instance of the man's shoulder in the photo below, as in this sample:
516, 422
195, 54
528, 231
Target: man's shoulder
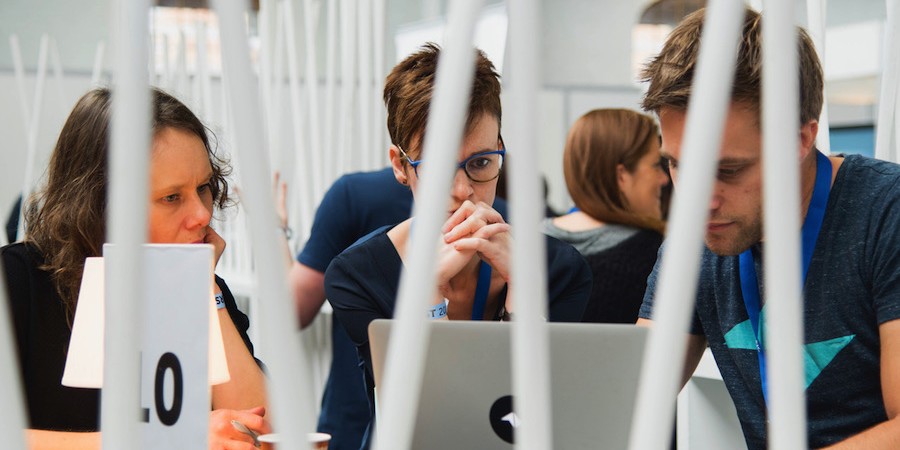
871, 175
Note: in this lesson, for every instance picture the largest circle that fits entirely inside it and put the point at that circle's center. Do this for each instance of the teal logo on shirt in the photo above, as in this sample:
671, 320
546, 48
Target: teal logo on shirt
816, 355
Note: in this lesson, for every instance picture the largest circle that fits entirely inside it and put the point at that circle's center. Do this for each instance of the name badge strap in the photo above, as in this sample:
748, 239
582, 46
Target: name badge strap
481, 290
812, 224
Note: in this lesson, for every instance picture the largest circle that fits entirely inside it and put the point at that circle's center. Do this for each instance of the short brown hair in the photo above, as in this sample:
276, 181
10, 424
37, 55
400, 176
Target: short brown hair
597, 143
670, 74
408, 89
66, 219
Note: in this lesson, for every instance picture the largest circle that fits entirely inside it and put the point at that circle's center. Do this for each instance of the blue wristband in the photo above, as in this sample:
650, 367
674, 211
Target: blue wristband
438, 311
220, 301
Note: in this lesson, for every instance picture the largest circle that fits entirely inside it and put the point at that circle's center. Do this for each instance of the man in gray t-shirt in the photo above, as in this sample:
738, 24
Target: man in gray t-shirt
852, 287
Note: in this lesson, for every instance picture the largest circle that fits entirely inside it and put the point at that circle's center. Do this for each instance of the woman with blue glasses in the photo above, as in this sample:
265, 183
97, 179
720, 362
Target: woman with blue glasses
474, 265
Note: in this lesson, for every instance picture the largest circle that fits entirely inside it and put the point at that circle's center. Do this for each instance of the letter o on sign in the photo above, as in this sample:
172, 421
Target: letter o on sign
168, 361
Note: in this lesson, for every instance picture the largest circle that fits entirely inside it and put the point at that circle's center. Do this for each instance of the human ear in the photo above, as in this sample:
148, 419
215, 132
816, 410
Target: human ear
808, 133
622, 176
397, 165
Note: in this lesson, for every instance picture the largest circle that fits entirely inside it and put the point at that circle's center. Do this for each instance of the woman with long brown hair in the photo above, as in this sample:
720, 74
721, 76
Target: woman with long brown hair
614, 175
66, 224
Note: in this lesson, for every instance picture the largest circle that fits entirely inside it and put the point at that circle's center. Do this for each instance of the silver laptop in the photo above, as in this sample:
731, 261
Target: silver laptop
466, 398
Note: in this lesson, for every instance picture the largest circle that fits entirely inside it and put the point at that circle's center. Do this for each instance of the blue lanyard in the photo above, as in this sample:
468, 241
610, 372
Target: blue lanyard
481, 290
810, 232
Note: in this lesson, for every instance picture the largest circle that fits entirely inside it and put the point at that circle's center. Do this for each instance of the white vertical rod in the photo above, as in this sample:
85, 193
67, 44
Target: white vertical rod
346, 141
165, 78
816, 11
181, 76
33, 127
781, 196
19, 68
276, 83
303, 169
315, 183
399, 399
890, 77
330, 144
127, 224
12, 417
290, 389
378, 112
97, 71
364, 71
265, 20
675, 293
205, 96
58, 76
530, 347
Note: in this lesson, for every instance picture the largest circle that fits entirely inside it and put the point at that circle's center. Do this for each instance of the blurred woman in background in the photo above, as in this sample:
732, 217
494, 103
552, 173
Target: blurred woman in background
615, 177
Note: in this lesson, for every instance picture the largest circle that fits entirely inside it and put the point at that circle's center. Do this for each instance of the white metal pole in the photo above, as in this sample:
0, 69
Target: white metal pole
302, 149
19, 69
315, 183
275, 117
33, 127
331, 57
530, 347
290, 389
816, 12
378, 113
12, 419
165, 80
781, 195
205, 96
265, 20
346, 141
409, 339
58, 76
675, 293
97, 71
364, 71
181, 76
127, 225
890, 77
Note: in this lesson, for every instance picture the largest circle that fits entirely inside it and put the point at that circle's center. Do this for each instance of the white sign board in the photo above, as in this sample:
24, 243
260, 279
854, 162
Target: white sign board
182, 352
175, 395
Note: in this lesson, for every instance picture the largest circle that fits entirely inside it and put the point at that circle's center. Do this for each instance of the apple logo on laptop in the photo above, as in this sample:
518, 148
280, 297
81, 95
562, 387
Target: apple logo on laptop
503, 420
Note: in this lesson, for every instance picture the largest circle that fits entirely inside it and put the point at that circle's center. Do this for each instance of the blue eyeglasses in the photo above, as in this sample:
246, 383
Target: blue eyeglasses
480, 167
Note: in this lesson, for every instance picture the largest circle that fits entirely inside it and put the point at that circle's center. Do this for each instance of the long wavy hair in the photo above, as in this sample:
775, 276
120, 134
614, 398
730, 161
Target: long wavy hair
597, 143
66, 218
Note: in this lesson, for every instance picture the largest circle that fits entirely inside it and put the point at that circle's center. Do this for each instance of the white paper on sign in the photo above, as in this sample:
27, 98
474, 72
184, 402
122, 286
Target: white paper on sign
175, 395
84, 363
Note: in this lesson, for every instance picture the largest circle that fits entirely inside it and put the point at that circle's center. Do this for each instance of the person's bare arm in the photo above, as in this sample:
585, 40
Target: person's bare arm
885, 435
696, 345
69, 440
247, 387
308, 289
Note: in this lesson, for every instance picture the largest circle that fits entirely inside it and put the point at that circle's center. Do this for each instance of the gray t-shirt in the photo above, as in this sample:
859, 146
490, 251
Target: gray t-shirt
852, 287
589, 242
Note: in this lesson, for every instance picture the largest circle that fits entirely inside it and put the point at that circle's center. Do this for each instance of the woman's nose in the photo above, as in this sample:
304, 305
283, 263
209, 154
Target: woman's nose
199, 213
462, 186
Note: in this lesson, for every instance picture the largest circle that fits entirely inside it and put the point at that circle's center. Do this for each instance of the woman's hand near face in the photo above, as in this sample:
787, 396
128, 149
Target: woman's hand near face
213, 238
223, 435
478, 228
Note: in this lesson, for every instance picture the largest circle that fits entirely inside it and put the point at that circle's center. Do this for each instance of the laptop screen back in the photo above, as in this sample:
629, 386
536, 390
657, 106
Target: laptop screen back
466, 396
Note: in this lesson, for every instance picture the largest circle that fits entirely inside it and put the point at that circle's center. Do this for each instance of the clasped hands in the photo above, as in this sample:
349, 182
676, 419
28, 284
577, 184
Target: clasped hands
473, 230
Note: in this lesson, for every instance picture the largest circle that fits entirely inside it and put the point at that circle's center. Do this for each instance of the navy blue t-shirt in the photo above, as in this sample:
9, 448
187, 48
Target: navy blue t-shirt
852, 287
355, 205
